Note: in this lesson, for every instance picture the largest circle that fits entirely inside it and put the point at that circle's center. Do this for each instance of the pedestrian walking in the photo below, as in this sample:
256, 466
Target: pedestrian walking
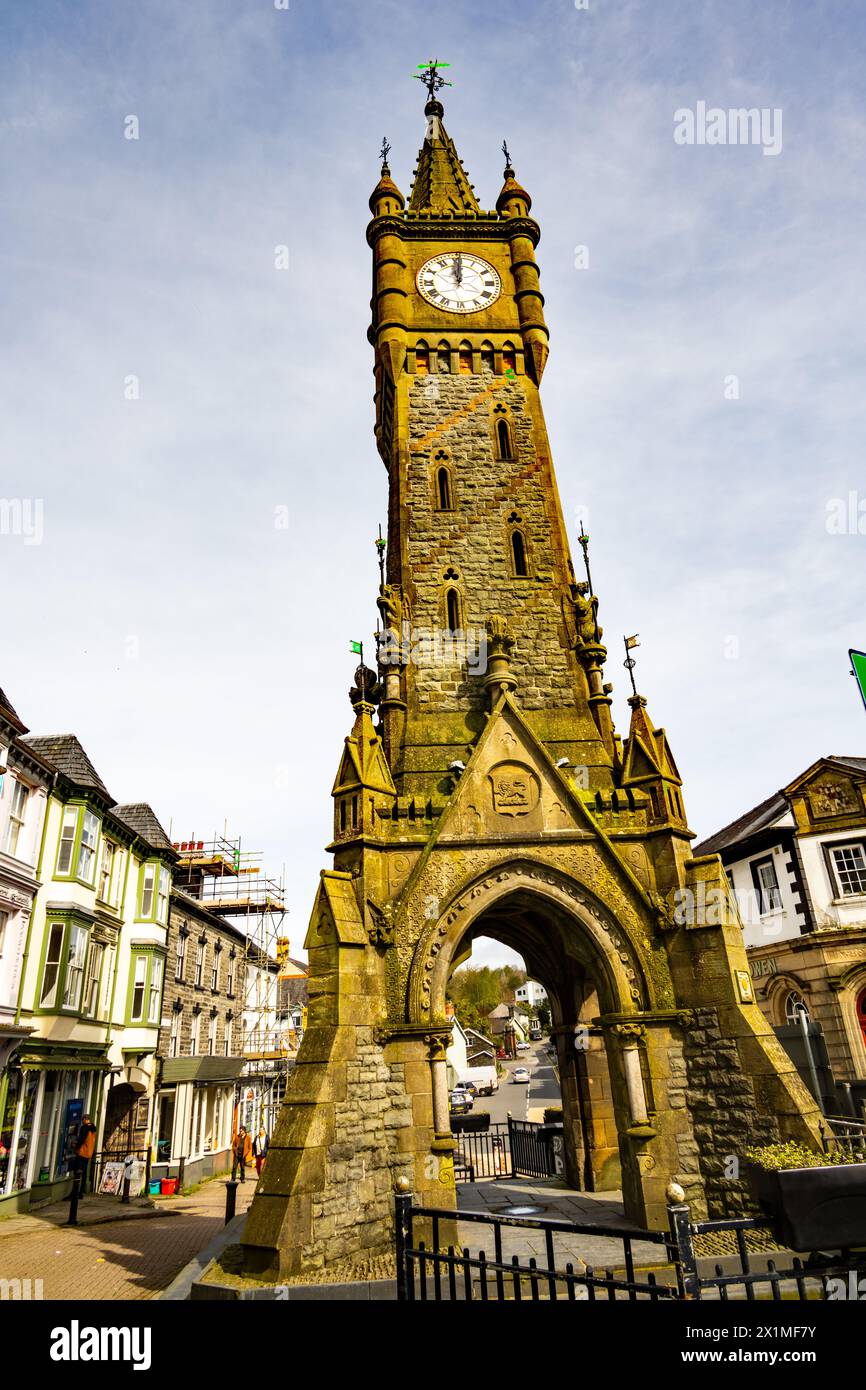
85, 1144
260, 1149
242, 1148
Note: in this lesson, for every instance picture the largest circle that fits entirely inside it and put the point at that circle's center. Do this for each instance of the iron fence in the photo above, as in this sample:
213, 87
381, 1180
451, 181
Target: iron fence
842, 1133
513, 1149
431, 1266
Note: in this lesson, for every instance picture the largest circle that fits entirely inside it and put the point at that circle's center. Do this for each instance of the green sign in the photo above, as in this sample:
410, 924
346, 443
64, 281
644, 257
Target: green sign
858, 665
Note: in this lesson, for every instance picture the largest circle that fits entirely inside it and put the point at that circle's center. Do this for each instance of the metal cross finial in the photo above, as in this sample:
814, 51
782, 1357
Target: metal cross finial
380, 546
507, 155
429, 75
385, 151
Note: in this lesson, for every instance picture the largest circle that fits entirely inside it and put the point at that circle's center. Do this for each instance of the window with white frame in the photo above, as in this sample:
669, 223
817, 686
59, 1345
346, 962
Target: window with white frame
76, 954
17, 816
174, 1033
215, 968
766, 885
162, 890
87, 847
106, 864
139, 980
4, 918
230, 973
94, 967
194, 1034
180, 958
199, 961
849, 865
68, 832
796, 1007
155, 990
227, 1034
53, 958
108, 981
211, 1035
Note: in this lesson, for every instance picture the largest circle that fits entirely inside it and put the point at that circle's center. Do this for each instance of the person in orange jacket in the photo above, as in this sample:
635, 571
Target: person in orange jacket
84, 1147
242, 1152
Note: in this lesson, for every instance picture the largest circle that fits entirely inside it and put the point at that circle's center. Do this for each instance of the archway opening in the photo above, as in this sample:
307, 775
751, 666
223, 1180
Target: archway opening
522, 945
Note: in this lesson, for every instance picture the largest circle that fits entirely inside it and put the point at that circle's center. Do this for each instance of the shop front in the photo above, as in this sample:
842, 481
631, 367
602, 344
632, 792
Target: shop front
47, 1091
194, 1117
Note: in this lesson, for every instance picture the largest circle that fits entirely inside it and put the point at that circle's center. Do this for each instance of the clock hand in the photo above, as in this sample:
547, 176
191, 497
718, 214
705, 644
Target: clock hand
458, 268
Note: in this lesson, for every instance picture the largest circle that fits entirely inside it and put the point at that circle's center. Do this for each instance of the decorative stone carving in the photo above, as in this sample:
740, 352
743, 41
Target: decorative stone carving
833, 799
381, 928
515, 789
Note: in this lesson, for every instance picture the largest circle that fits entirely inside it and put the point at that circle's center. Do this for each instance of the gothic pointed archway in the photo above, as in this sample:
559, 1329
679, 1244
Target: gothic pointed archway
595, 983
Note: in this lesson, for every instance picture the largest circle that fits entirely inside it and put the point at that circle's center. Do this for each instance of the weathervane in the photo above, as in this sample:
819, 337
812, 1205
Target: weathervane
384, 152
429, 75
630, 662
507, 155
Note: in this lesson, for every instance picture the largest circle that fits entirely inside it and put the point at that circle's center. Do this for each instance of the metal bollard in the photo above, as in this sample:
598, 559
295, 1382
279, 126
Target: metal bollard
72, 1219
231, 1198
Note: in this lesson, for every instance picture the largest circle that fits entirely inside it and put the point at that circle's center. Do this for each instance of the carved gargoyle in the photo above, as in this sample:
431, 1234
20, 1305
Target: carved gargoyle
381, 927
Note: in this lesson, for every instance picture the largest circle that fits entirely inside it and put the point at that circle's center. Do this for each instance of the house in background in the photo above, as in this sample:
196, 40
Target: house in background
25, 781
531, 994
508, 1027
480, 1050
797, 866
91, 977
200, 1042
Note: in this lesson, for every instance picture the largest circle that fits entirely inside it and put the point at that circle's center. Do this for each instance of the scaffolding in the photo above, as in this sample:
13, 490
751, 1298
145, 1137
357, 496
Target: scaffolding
230, 881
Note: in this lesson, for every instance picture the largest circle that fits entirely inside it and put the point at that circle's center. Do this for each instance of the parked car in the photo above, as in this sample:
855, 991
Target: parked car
460, 1103
520, 1074
523, 1047
535, 1035
467, 1088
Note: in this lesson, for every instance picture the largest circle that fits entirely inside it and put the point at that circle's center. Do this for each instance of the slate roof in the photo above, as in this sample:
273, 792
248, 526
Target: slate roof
762, 815
66, 755
141, 818
8, 706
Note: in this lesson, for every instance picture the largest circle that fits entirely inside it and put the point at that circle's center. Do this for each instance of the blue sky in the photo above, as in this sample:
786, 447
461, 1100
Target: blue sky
200, 653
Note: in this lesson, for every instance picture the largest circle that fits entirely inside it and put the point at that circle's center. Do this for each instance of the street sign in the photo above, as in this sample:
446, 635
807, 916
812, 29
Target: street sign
858, 666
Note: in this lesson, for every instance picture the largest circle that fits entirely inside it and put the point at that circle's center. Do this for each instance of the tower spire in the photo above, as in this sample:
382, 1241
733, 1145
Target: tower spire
441, 184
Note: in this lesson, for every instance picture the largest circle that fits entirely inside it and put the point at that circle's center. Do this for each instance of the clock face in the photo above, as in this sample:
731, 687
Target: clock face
458, 283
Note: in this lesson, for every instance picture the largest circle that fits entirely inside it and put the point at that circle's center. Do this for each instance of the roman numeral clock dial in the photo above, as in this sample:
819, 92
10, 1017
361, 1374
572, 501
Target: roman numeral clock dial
458, 283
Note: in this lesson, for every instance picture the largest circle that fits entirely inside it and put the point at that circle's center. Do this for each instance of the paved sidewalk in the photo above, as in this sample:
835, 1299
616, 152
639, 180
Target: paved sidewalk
123, 1258
557, 1203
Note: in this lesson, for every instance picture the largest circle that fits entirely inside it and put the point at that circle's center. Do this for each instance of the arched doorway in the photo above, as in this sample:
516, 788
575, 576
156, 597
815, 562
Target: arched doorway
594, 984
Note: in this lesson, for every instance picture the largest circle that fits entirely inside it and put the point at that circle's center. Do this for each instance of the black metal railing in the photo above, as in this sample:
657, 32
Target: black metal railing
513, 1149
432, 1266
427, 1270
842, 1133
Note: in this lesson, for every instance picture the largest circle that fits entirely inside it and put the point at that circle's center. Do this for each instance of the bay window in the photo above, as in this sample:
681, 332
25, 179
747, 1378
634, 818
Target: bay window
139, 978
17, 815
51, 972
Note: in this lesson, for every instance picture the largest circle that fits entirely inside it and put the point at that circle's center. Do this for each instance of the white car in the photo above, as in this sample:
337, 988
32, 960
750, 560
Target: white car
520, 1074
523, 1047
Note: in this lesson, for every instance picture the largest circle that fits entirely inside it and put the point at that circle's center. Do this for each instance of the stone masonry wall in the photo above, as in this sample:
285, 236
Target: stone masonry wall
356, 1203
454, 416
725, 1114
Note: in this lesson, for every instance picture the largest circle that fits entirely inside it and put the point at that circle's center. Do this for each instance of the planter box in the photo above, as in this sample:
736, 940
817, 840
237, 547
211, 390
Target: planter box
814, 1208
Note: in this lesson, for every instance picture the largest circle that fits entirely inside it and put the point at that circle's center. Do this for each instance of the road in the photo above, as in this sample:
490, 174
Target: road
522, 1100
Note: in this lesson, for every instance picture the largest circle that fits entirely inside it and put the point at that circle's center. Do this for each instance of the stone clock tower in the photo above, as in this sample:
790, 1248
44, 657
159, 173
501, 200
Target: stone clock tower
483, 791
